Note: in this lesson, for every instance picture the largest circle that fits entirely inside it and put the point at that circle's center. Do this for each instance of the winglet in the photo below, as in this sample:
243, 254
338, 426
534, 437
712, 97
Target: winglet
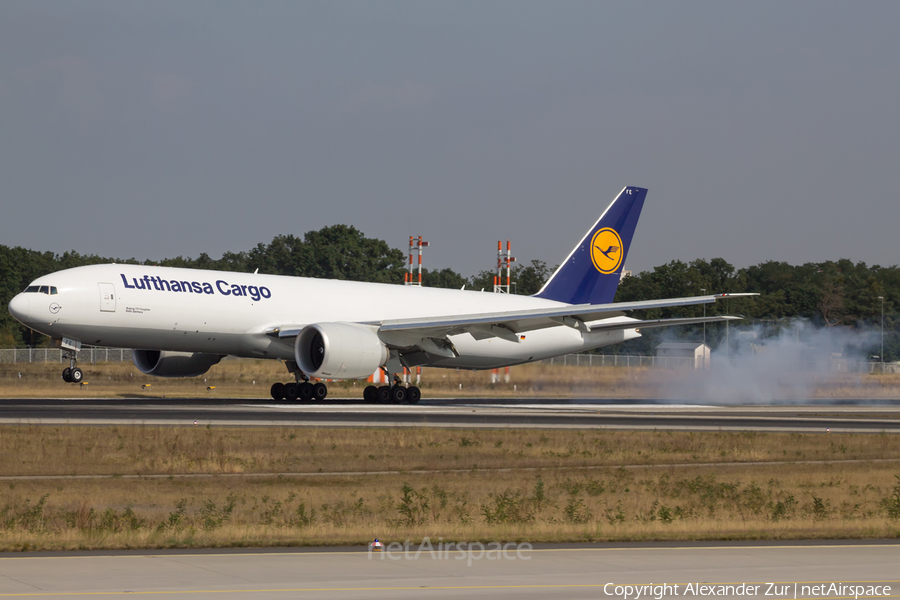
591, 272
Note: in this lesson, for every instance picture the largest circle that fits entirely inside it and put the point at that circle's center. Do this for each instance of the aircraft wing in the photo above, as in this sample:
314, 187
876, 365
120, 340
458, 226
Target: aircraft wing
510, 324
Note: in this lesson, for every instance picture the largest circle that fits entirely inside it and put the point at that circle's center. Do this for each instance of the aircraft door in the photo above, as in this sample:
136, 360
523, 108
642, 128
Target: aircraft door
107, 297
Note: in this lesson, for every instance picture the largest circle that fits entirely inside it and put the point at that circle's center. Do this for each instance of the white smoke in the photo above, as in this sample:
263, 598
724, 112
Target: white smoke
762, 365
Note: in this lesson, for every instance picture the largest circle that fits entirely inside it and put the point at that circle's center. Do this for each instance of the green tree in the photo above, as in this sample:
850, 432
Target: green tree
530, 279
343, 252
527, 280
829, 293
445, 278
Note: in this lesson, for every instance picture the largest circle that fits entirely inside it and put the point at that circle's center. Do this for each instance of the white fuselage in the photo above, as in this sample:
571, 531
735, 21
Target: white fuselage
218, 312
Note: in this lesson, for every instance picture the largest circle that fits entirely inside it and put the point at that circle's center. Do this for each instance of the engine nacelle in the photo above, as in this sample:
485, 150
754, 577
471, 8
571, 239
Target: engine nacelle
163, 363
339, 351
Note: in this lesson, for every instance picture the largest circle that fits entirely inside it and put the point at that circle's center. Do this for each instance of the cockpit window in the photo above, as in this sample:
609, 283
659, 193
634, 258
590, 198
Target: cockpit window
42, 289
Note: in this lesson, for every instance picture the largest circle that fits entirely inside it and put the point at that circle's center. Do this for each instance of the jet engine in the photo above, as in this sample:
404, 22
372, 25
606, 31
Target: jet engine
163, 363
339, 351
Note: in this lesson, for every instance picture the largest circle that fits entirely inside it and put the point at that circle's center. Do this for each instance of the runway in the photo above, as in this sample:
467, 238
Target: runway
777, 571
863, 416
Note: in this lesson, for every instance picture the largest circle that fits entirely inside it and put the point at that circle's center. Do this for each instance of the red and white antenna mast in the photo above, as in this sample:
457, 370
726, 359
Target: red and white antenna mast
414, 244
499, 286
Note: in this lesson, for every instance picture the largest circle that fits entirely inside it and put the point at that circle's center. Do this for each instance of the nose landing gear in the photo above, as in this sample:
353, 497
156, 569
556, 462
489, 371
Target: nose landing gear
72, 374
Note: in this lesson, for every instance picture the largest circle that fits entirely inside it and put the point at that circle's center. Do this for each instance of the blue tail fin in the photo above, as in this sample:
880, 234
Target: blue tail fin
591, 273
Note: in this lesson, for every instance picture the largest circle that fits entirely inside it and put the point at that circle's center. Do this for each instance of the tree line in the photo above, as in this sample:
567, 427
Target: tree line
827, 294
830, 294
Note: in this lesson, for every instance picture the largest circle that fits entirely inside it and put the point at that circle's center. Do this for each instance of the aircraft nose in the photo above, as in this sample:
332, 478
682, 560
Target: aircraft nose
19, 306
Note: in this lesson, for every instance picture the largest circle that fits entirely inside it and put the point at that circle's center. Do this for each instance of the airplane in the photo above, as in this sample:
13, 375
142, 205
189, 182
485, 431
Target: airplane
181, 322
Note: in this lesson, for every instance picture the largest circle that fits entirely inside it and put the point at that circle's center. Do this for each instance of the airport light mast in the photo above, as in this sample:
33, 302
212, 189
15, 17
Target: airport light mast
703, 292
499, 287
882, 333
414, 244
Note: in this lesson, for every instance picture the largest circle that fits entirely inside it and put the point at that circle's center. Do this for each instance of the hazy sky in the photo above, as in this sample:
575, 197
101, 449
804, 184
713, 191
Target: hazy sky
764, 130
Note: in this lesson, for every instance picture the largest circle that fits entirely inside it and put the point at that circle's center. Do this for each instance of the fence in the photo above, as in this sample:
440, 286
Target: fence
40, 355
621, 360
95, 355
824, 365
837, 365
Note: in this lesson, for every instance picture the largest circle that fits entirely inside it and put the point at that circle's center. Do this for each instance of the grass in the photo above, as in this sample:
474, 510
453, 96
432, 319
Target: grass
242, 378
153, 450
558, 485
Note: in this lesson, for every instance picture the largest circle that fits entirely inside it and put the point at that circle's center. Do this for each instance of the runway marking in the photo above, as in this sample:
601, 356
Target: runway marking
608, 410
423, 408
295, 590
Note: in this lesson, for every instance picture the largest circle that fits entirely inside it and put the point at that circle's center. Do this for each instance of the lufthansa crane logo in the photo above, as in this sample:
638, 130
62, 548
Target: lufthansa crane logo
606, 250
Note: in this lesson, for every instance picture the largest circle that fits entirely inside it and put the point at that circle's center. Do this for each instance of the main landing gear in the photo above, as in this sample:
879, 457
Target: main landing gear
303, 390
392, 394
72, 374
300, 391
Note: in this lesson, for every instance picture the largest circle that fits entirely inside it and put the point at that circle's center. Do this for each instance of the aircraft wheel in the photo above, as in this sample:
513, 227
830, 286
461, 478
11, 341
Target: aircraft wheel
306, 391
277, 391
291, 392
320, 391
384, 394
67, 375
413, 395
398, 394
370, 394
76, 375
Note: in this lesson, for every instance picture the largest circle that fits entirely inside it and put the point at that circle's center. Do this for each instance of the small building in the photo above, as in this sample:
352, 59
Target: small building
696, 351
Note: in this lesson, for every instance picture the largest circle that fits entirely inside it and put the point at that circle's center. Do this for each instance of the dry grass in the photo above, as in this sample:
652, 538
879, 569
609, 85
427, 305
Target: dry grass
145, 450
251, 379
561, 485
756, 502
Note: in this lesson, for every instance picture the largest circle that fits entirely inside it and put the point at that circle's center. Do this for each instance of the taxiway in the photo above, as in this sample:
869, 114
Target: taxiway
569, 571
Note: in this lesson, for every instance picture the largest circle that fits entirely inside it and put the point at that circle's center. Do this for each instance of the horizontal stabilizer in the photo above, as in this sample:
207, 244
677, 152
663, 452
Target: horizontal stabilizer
650, 323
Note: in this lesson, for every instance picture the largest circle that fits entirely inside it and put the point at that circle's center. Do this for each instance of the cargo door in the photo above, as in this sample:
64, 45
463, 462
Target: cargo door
107, 297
